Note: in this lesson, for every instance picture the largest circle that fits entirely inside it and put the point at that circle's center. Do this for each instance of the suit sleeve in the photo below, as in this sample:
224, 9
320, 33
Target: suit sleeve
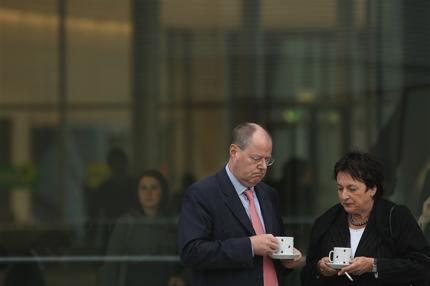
199, 248
412, 261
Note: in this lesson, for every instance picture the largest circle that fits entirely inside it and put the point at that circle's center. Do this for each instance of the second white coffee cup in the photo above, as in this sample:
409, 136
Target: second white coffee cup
340, 255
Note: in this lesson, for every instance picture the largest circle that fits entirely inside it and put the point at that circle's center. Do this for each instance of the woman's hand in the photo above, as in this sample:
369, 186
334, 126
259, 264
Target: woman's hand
358, 266
324, 269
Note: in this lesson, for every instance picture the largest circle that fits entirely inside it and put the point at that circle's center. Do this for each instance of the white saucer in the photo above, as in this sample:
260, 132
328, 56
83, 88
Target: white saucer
336, 266
283, 256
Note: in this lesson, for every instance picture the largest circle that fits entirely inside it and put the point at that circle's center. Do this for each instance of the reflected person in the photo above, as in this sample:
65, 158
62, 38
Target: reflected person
229, 220
187, 180
388, 247
144, 230
424, 219
295, 187
112, 199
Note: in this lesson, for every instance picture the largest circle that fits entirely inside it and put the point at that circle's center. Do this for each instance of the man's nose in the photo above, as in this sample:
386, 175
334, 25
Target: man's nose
262, 164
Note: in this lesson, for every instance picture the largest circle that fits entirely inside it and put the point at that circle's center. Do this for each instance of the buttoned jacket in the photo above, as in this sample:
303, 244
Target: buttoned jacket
214, 231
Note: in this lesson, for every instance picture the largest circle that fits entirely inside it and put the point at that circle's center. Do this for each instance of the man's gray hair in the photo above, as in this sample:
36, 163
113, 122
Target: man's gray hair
243, 132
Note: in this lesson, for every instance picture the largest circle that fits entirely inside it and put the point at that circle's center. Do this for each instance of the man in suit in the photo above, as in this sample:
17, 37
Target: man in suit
218, 233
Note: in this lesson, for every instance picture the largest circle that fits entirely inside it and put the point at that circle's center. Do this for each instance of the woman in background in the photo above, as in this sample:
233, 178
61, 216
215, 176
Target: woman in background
145, 230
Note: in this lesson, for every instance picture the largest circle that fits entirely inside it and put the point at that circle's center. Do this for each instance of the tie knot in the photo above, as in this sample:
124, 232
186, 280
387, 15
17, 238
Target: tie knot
249, 195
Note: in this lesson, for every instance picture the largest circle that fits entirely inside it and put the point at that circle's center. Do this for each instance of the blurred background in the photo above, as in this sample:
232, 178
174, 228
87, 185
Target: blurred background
94, 92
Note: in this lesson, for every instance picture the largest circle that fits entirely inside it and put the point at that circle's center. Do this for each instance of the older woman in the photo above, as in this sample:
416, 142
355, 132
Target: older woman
388, 247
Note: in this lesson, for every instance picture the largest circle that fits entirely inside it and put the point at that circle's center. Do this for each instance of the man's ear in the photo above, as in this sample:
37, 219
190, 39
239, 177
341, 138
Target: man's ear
233, 151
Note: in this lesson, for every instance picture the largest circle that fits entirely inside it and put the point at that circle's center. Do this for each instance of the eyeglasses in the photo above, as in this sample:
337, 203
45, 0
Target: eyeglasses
257, 159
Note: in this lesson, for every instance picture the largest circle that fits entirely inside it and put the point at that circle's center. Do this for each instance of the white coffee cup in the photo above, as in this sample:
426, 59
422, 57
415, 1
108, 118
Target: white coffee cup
340, 255
285, 245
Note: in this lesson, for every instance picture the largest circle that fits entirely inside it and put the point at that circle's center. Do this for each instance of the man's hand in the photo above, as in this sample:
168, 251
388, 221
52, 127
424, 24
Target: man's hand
292, 263
358, 266
264, 244
324, 269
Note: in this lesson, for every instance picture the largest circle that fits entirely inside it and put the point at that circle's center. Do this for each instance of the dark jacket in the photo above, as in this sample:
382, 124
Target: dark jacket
214, 232
402, 252
427, 232
137, 235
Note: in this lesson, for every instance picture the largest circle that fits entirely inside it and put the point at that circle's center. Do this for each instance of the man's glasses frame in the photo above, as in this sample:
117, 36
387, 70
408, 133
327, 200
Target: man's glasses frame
257, 159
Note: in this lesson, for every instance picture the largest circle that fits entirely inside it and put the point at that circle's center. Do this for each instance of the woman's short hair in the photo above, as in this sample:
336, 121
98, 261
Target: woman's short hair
362, 167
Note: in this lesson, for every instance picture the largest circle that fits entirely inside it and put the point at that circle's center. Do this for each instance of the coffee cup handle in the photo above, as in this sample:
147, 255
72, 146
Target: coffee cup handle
330, 256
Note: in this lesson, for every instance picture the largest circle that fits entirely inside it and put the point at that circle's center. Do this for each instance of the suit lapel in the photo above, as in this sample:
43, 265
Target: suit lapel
369, 239
365, 239
233, 202
340, 232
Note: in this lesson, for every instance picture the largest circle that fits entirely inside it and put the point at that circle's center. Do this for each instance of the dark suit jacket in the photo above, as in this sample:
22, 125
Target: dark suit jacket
402, 252
214, 232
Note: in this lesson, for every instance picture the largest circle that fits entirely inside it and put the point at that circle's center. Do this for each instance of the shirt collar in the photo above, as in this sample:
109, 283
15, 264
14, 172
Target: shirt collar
236, 184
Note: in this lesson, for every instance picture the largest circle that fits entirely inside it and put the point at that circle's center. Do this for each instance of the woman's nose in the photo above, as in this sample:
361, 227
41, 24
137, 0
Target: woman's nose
343, 195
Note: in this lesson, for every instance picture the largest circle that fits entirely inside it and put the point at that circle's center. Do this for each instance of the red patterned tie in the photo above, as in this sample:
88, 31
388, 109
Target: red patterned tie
269, 273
